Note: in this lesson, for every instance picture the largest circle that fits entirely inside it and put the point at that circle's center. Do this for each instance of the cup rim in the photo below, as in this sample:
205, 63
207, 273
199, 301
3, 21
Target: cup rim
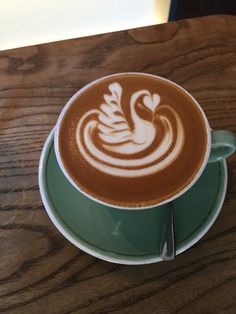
69, 178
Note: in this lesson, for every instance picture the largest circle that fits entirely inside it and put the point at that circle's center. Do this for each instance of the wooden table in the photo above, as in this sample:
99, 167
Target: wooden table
40, 271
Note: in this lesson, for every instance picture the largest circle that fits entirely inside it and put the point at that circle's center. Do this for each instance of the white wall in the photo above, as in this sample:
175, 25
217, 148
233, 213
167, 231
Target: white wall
28, 22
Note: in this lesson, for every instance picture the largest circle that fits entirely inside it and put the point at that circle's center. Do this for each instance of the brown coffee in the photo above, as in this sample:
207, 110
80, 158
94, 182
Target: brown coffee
132, 140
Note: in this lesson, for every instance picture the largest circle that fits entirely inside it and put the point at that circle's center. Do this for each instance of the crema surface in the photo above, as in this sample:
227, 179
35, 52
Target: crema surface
132, 140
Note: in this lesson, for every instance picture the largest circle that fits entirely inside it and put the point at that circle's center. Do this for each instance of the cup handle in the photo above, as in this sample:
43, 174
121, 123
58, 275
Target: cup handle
223, 144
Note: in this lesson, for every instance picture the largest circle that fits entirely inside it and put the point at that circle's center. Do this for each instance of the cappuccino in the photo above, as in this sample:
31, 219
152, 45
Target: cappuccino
132, 140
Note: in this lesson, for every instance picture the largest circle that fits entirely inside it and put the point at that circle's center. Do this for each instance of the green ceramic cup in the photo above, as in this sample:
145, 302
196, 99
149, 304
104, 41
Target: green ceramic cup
220, 144
133, 236
223, 145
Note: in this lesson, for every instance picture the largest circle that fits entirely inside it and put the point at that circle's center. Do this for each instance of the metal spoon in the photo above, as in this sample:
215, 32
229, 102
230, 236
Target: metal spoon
168, 237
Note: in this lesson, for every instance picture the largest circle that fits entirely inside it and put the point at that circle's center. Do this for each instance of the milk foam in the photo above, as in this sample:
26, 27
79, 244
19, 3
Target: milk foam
116, 135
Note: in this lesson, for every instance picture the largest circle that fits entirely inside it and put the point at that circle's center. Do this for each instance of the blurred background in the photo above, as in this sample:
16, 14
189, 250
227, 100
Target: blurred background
30, 22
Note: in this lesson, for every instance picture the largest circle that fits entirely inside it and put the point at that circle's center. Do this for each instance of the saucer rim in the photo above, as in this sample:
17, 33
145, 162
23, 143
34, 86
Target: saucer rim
94, 250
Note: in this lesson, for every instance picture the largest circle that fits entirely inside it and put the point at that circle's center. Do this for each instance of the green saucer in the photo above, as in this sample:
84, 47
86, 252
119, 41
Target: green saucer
124, 236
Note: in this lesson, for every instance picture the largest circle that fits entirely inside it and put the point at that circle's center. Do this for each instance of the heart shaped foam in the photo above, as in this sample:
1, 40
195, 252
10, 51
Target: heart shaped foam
151, 101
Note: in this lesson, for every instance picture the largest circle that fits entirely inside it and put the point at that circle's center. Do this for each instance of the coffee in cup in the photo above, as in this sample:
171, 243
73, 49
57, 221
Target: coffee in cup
132, 140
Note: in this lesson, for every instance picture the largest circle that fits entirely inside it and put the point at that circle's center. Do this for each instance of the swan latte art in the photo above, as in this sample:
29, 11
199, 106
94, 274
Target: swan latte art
132, 140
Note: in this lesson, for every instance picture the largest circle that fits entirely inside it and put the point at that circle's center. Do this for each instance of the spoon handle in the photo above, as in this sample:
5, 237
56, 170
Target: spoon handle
168, 238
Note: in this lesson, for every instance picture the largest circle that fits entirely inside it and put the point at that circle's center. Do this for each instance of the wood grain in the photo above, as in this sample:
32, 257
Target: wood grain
40, 271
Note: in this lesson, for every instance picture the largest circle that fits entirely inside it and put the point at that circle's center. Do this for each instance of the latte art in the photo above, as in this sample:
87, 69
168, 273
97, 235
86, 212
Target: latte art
116, 139
131, 140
